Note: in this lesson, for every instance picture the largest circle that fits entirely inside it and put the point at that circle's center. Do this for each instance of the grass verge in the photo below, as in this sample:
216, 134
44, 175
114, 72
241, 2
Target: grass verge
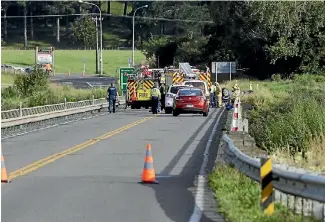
72, 60
239, 199
53, 95
7, 78
35, 90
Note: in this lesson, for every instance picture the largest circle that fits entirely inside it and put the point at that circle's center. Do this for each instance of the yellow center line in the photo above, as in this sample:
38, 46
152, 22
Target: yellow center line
40, 163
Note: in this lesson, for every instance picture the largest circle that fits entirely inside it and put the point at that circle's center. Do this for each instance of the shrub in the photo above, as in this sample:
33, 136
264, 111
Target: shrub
289, 123
35, 81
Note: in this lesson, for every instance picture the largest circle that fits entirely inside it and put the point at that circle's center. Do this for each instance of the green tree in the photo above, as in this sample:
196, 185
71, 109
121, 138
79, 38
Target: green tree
83, 31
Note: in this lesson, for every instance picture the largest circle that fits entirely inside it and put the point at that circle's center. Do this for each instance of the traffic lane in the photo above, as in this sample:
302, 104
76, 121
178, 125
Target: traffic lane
85, 82
101, 183
23, 150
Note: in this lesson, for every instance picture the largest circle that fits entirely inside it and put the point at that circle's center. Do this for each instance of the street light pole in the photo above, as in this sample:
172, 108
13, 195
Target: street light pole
101, 34
145, 6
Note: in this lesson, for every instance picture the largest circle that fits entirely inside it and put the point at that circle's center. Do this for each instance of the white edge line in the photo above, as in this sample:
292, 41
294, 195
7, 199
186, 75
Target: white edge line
199, 198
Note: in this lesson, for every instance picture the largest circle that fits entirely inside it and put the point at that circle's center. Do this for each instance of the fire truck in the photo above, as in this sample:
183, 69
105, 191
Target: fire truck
185, 72
139, 86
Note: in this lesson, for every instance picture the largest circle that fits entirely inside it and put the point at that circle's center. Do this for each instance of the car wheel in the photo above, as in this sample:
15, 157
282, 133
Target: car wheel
205, 113
175, 113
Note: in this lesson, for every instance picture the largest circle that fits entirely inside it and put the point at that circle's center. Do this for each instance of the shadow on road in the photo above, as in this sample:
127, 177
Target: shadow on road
176, 194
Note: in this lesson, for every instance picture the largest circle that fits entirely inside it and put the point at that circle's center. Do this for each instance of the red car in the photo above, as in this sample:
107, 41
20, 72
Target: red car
190, 100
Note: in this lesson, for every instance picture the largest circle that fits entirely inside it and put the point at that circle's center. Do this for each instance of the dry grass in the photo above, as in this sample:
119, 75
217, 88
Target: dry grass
289, 112
314, 160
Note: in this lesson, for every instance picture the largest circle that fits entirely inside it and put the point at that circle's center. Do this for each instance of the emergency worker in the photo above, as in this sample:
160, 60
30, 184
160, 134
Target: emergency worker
111, 97
155, 97
163, 94
219, 94
212, 95
48, 68
236, 92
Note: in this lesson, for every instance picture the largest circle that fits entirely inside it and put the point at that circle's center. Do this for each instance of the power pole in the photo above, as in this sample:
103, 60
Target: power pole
97, 60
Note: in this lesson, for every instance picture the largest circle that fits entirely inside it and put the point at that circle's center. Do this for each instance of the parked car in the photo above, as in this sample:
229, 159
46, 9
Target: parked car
190, 100
169, 97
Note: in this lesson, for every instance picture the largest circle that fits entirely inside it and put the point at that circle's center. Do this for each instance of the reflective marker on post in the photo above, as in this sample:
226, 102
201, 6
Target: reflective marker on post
267, 201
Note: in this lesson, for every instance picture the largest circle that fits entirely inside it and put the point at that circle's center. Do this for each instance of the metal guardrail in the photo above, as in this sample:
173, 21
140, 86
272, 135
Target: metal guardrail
23, 120
309, 186
297, 189
36, 110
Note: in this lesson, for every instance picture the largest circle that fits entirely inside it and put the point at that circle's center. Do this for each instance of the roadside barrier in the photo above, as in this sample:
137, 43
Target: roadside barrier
267, 201
235, 119
299, 190
39, 116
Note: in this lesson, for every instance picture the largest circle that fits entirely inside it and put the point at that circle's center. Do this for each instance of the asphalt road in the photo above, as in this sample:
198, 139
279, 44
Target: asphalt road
98, 180
79, 81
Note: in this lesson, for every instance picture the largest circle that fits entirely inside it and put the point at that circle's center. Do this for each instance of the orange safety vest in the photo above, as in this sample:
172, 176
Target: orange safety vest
48, 66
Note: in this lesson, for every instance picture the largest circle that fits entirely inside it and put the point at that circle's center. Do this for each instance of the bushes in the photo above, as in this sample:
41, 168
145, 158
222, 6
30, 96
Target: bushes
34, 90
291, 121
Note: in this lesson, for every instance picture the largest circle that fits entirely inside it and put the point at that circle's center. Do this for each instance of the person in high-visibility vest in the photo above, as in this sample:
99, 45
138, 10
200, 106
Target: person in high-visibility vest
236, 92
212, 96
155, 97
219, 94
163, 94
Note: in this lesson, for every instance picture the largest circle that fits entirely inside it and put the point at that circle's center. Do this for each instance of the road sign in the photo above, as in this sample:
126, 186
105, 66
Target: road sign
224, 67
44, 55
84, 60
124, 72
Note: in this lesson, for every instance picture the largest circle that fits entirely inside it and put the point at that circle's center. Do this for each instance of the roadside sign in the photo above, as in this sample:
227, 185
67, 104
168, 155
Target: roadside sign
124, 72
221, 68
84, 60
224, 67
44, 55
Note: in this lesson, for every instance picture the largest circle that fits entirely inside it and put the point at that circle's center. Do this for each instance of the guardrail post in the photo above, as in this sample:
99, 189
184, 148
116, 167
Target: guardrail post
65, 103
20, 109
93, 100
267, 198
21, 112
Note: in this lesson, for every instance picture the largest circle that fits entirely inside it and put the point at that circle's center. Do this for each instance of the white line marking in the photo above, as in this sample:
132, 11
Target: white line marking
199, 197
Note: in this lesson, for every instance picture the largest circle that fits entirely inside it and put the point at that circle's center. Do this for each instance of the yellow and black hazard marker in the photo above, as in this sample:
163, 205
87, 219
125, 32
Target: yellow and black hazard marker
131, 89
209, 79
203, 77
177, 77
148, 84
267, 200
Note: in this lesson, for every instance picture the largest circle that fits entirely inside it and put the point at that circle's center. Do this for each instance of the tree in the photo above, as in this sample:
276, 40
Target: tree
83, 31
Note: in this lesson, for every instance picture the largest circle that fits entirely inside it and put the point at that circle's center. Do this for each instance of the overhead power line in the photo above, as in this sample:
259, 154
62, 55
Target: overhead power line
109, 15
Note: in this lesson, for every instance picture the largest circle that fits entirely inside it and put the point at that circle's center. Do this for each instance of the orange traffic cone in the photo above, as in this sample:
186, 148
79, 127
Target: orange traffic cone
4, 175
148, 174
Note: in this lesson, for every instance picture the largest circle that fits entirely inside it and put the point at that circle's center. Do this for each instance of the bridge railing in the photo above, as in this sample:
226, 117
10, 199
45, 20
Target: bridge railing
29, 111
22, 120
